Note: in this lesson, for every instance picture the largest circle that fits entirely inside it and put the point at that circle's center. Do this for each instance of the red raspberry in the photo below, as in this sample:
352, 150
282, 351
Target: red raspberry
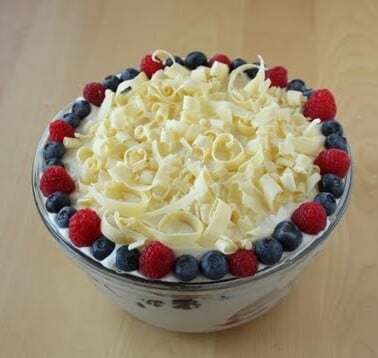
149, 66
60, 129
277, 76
243, 263
84, 227
334, 161
94, 92
220, 58
156, 260
310, 217
321, 104
55, 178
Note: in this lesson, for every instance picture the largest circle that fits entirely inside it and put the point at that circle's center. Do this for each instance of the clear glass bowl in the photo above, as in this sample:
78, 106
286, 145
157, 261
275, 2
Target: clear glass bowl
191, 307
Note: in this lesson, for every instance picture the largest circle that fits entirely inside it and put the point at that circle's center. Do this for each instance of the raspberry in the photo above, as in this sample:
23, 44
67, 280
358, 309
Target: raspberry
149, 66
156, 260
220, 58
310, 217
84, 227
333, 161
94, 92
55, 178
277, 76
321, 104
60, 129
243, 263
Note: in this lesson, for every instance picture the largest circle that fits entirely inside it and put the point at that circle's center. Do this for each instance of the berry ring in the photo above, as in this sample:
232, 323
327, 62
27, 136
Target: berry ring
189, 169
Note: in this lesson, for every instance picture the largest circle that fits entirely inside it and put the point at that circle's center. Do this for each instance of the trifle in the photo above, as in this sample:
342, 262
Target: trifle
194, 190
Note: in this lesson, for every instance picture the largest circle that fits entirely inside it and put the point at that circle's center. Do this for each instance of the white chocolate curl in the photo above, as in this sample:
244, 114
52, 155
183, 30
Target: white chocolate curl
196, 159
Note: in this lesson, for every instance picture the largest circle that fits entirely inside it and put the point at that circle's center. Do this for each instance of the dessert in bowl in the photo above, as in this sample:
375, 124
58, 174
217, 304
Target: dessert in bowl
193, 192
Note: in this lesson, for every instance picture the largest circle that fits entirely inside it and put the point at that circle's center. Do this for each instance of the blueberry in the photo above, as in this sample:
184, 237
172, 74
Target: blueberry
127, 260
288, 234
268, 250
237, 63
296, 85
82, 108
72, 118
331, 127
50, 162
186, 268
56, 201
252, 72
327, 201
336, 141
333, 184
308, 92
111, 82
195, 59
62, 219
129, 74
168, 62
53, 150
214, 265
102, 248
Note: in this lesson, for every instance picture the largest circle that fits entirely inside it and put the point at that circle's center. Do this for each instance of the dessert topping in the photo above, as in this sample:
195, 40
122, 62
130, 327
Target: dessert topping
321, 104
310, 217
